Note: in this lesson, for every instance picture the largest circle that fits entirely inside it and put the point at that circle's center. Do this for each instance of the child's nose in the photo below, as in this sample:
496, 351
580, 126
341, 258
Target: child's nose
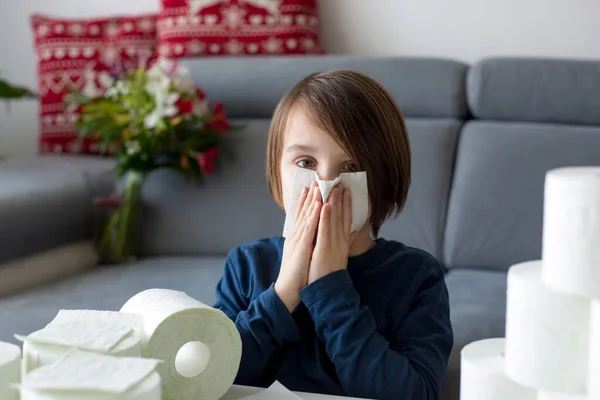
327, 174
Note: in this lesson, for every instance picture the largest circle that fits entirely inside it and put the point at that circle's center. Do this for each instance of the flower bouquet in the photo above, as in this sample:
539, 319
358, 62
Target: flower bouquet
148, 118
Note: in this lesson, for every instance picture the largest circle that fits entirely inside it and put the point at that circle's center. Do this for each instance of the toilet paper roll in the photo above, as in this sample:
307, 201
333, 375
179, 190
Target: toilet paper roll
355, 181
546, 333
571, 239
82, 375
107, 332
560, 396
482, 375
594, 365
10, 365
200, 346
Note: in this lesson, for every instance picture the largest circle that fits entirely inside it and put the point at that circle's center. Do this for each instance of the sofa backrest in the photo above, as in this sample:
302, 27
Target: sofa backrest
235, 207
530, 116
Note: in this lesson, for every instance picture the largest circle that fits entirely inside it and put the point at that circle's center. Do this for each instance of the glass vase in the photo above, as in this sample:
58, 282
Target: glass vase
119, 240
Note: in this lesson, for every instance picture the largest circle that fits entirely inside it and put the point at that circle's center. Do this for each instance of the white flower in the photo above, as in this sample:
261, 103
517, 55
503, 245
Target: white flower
118, 89
151, 120
165, 107
132, 147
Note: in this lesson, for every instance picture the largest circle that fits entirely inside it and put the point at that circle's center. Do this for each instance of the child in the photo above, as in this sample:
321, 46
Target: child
326, 310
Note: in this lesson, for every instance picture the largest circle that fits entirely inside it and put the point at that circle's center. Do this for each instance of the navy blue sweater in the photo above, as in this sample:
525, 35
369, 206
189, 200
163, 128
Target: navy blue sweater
378, 330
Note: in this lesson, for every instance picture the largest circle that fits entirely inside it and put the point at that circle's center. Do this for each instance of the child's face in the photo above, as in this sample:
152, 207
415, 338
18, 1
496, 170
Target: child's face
305, 145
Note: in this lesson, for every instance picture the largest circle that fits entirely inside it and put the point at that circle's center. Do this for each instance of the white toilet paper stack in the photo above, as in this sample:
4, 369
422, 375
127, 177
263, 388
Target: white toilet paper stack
79, 374
552, 345
163, 344
10, 364
105, 332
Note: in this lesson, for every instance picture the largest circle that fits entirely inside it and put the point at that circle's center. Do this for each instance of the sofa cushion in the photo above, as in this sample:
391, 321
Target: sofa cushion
232, 207
251, 87
477, 311
108, 289
496, 202
235, 206
421, 223
535, 90
46, 201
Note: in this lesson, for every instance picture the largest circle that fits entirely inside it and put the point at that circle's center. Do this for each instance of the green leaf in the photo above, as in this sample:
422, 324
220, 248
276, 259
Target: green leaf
93, 125
79, 98
8, 91
105, 106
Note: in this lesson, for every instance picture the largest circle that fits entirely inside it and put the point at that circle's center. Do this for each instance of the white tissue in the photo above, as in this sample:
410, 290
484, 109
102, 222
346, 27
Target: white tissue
274, 392
92, 376
211, 346
10, 365
594, 365
571, 240
355, 181
546, 333
482, 375
108, 332
560, 396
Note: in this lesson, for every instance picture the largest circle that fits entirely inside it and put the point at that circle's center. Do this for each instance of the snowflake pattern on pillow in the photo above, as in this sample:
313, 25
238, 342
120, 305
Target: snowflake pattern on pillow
238, 27
79, 54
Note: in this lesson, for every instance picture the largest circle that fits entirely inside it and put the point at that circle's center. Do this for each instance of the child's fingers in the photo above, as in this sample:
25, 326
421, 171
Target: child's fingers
347, 206
307, 204
333, 213
301, 200
324, 229
310, 228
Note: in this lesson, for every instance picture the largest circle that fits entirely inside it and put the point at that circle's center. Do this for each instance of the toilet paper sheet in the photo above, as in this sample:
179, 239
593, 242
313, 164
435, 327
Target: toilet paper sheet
87, 375
560, 396
547, 333
482, 374
594, 361
355, 181
571, 238
172, 319
93, 330
10, 360
274, 392
106, 332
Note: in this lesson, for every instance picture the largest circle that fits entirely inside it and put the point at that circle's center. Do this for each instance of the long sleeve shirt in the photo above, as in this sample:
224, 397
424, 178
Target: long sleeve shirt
379, 329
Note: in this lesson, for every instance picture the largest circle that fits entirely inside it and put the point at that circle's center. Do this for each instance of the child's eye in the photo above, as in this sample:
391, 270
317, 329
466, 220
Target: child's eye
351, 167
306, 164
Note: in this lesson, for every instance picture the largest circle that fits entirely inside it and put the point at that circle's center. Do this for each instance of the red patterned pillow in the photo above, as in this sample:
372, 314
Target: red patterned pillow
80, 53
230, 27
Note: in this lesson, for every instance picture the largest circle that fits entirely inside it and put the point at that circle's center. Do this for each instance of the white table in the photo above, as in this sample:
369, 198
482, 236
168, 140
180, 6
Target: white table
237, 392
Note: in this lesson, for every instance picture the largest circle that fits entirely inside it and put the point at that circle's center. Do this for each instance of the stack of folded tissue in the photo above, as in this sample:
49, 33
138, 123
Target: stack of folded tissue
162, 344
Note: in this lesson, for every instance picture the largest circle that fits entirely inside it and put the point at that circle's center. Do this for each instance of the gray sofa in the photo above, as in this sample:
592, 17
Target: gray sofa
482, 138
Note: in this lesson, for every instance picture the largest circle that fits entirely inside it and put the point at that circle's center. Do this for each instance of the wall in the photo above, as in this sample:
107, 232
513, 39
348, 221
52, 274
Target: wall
462, 29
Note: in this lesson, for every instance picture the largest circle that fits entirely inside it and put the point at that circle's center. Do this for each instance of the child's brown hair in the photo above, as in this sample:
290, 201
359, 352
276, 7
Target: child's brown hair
365, 120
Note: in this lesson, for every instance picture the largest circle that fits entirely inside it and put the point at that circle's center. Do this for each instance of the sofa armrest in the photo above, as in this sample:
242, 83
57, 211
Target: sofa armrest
46, 202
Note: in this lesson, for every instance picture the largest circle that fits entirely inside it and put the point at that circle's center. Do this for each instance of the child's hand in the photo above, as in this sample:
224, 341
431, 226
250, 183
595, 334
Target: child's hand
333, 236
298, 248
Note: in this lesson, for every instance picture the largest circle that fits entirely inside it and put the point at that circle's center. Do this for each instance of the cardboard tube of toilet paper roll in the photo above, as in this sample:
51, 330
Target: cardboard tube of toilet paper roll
571, 238
547, 333
594, 361
482, 374
10, 367
200, 346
